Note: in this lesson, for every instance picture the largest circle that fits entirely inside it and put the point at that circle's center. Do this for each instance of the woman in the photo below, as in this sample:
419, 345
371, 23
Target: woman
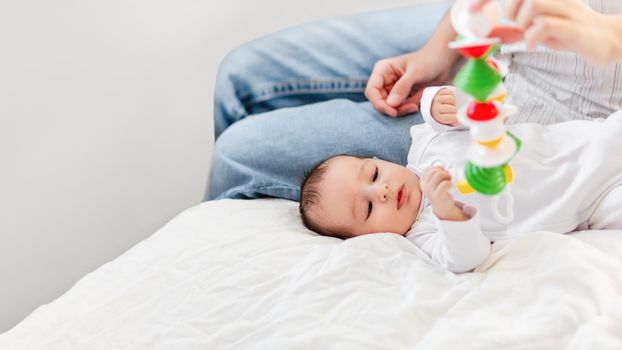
286, 101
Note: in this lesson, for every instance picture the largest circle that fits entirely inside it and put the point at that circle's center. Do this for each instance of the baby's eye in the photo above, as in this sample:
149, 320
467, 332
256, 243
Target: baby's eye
369, 208
373, 179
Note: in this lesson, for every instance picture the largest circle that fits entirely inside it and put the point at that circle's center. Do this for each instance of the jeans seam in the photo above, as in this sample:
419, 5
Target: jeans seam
307, 86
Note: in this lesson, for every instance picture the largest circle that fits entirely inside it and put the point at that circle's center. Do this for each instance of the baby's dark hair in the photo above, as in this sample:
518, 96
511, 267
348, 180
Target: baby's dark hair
310, 196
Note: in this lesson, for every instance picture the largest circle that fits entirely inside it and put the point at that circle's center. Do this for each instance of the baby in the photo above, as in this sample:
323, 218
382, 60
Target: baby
567, 176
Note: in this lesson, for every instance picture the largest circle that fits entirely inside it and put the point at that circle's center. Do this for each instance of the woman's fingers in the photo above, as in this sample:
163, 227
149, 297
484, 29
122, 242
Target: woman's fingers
415, 96
378, 100
547, 29
507, 33
531, 9
376, 93
407, 108
512, 7
535, 34
403, 86
560, 24
477, 5
390, 84
524, 14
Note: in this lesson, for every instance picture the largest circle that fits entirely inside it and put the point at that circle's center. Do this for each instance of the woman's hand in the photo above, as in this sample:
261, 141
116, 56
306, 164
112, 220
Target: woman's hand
443, 107
566, 25
396, 84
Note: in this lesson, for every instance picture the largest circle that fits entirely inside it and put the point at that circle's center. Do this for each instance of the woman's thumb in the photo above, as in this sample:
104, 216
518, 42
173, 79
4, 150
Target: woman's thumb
401, 89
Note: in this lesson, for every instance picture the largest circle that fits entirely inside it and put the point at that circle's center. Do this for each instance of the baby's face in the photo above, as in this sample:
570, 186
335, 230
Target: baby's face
361, 196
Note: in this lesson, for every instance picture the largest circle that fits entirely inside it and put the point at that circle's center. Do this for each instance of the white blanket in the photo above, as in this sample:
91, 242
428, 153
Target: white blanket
245, 274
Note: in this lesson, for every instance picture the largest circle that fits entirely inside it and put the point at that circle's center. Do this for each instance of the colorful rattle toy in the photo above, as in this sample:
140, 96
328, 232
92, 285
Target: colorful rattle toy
487, 170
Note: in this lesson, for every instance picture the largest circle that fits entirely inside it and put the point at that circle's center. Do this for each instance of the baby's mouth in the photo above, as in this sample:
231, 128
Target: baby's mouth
402, 196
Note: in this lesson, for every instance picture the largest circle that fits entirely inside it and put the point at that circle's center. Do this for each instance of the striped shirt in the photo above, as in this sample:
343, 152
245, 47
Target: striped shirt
550, 86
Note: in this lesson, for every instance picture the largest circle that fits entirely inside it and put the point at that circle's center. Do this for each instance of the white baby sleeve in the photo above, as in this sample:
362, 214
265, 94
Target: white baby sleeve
458, 246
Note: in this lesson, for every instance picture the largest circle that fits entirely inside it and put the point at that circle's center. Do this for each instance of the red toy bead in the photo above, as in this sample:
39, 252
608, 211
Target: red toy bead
482, 111
474, 51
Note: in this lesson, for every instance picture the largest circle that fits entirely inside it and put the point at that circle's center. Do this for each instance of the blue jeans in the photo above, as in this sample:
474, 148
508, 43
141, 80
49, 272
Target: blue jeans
288, 100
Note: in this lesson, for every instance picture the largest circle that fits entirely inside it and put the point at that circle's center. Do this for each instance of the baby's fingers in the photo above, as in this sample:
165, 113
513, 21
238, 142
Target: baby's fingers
448, 119
429, 173
445, 109
443, 187
446, 98
438, 177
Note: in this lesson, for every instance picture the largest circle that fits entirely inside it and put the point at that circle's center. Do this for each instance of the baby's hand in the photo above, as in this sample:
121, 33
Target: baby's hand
435, 185
444, 107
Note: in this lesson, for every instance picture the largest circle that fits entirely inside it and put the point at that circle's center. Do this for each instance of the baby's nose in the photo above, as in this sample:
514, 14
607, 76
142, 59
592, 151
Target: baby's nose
383, 192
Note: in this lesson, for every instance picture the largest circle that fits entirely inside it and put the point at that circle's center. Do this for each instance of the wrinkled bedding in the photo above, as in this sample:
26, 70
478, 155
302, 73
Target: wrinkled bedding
236, 274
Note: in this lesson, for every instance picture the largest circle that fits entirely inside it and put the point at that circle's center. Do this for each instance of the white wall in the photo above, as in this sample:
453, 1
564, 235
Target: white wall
105, 124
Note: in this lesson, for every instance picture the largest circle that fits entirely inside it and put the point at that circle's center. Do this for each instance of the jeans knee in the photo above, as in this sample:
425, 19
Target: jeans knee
247, 164
223, 173
234, 163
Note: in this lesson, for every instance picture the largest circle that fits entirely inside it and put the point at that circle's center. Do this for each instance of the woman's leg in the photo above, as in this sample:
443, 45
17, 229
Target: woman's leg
317, 61
267, 155
297, 68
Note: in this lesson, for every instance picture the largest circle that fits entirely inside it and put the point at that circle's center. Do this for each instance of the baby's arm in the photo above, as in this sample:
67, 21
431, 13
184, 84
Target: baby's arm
455, 240
458, 246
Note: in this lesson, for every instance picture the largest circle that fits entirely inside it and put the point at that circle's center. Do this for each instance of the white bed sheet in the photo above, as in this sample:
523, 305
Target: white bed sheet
238, 274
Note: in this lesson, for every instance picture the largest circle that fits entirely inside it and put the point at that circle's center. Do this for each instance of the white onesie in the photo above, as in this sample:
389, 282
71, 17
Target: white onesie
564, 176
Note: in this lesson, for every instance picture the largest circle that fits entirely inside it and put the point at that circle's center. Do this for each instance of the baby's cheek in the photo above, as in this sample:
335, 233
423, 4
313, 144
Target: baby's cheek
383, 222
410, 218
